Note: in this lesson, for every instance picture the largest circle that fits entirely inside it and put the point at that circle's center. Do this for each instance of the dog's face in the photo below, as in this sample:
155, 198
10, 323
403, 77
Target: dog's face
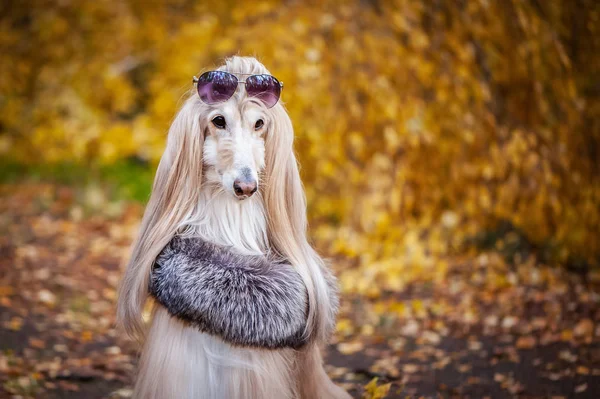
234, 147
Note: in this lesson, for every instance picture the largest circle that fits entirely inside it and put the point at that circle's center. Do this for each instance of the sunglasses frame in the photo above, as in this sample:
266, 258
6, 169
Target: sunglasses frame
195, 80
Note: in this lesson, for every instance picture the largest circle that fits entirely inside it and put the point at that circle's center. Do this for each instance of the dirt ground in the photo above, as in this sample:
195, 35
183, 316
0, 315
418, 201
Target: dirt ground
485, 331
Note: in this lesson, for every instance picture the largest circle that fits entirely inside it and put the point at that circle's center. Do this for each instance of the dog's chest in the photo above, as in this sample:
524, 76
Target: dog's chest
226, 221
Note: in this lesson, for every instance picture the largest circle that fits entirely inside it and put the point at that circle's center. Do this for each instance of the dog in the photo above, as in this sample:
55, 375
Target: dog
229, 178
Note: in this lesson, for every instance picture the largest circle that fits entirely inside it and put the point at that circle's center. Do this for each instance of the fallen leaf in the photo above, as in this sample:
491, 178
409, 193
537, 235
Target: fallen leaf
410, 368
581, 388
527, 342
585, 327
348, 348
46, 297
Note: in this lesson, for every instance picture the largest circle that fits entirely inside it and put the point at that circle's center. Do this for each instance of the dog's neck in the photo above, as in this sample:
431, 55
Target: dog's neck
224, 220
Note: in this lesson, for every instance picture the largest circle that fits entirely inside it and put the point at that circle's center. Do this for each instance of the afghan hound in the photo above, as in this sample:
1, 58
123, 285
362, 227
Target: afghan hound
242, 302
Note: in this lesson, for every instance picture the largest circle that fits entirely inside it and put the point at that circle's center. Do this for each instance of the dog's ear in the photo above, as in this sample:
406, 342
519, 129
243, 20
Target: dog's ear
174, 193
284, 196
285, 204
179, 172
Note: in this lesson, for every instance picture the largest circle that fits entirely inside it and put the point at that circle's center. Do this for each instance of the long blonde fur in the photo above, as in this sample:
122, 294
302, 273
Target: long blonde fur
179, 203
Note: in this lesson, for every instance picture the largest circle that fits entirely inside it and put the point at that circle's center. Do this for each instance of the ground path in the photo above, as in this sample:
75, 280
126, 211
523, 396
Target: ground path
487, 330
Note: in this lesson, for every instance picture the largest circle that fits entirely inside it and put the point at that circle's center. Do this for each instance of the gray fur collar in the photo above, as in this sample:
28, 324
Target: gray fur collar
246, 300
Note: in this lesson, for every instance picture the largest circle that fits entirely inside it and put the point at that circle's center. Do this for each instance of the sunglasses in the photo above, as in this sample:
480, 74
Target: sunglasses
218, 86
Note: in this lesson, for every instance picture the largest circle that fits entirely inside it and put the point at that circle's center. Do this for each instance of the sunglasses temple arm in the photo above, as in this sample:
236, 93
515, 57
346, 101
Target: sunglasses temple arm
194, 79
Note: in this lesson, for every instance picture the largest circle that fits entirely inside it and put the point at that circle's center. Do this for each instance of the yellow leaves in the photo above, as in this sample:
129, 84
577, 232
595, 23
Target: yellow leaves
344, 327
86, 336
566, 335
357, 141
161, 104
15, 323
419, 39
399, 116
400, 309
327, 168
120, 94
418, 308
374, 391
392, 139
117, 142
225, 45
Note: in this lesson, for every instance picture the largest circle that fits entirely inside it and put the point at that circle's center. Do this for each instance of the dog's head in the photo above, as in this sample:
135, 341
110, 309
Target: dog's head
234, 130
241, 145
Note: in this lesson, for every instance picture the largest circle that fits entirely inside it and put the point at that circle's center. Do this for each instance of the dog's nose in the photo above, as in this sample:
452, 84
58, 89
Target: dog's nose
244, 188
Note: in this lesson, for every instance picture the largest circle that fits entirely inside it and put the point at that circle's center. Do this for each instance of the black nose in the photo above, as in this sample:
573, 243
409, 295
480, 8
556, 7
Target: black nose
244, 187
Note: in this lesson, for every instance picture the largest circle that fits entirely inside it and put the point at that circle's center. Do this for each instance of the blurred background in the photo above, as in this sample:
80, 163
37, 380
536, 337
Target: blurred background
450, 153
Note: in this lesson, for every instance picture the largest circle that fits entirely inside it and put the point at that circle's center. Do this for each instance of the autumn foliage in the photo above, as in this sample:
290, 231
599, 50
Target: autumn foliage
420, 129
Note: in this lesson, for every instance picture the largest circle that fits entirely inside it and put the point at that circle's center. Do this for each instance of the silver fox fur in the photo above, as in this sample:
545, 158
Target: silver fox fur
246, 300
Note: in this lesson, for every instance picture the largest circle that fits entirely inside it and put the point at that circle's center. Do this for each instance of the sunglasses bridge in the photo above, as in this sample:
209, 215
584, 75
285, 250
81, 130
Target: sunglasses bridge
195, 79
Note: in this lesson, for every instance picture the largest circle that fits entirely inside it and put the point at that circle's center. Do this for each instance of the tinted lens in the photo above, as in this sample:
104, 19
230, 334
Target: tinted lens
216, 86
264, 87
